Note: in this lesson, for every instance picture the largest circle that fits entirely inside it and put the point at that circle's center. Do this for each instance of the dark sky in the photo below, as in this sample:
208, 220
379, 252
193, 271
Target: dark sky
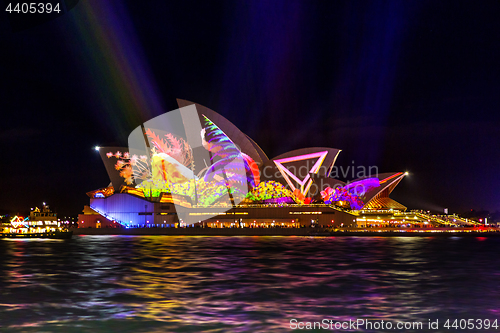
401, 85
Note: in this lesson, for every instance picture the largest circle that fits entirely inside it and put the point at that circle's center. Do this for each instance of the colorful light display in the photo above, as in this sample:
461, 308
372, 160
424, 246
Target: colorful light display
271, 191
102, 193
18, 221
304, 184
361, 187
169, 169
351, 193
224, 152
159, 166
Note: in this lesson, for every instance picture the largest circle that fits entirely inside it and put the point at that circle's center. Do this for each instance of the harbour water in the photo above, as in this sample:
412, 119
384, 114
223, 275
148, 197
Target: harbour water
244, 284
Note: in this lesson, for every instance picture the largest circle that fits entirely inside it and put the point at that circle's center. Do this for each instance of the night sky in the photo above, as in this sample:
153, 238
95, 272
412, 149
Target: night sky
401, 85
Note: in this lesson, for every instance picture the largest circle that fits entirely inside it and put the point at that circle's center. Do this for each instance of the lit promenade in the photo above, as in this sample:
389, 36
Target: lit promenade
382, 232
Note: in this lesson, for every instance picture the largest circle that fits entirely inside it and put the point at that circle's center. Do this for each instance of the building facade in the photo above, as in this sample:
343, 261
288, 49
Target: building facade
216, 176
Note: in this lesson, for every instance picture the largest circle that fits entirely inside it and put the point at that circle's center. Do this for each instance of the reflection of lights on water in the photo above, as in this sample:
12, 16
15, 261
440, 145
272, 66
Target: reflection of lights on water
214, 280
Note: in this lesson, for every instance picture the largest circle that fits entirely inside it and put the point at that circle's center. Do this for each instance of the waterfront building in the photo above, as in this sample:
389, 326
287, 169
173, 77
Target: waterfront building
169, 185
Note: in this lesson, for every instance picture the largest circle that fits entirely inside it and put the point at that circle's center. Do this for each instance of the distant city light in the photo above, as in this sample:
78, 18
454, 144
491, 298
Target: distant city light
97, 148
407, 173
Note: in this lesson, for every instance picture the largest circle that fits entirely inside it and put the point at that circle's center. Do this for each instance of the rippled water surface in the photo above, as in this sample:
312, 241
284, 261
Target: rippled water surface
241, 284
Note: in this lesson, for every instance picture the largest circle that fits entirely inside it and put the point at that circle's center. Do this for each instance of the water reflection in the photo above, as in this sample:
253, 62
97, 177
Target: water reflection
240, 284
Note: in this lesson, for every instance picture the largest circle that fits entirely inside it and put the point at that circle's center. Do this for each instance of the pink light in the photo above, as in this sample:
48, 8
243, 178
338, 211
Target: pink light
395, 175
303, 157
307, 182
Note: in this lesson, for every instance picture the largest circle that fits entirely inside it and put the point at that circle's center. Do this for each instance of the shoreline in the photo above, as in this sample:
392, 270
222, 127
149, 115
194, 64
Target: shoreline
313, 232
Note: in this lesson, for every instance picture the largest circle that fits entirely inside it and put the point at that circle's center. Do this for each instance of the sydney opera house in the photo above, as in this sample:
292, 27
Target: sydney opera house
196, 168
